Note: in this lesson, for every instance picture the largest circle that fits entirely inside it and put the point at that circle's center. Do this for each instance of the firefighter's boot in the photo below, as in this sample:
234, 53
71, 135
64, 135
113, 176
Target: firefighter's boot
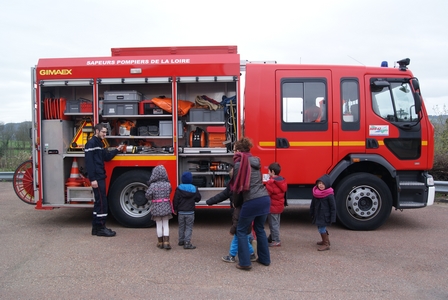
103, 231
322, 242
160, 242
325, 241
166, 243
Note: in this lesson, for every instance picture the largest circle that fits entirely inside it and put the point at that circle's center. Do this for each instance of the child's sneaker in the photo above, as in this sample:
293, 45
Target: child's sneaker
275, 244
188, 245
253, 257
228, 258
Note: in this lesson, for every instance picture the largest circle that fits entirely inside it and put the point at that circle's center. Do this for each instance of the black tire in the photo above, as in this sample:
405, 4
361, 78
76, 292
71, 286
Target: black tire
127, 201
363, 201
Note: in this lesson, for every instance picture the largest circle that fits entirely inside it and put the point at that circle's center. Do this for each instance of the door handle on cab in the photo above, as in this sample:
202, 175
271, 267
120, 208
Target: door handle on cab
282, 143
372, 144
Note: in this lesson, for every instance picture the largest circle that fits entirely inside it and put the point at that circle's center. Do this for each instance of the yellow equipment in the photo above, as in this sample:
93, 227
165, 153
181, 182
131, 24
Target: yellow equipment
84, 133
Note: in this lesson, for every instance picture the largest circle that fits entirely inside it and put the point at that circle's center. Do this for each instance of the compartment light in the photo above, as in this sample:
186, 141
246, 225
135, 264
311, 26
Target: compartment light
207, 79
188, 79
158, 79
139, 80
132, 80
109, 80
73, 82
226, 78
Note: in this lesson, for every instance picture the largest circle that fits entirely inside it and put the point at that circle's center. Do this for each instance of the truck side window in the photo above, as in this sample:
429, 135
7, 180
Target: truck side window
394, 102
295, 109
350, 110
304, 105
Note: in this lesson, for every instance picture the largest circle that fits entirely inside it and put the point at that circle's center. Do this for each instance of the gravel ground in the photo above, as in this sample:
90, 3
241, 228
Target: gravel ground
51, 255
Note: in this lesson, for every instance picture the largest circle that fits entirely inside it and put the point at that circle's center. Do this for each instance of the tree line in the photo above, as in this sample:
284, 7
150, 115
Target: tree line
440, 122
15, 145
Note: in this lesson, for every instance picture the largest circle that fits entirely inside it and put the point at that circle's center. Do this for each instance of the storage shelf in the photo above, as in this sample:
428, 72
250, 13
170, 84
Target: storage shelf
80, 200
136, 116
205, 154
138, 137
73, 154
210, 173
145, 154
79, 114
211, 188
205, 123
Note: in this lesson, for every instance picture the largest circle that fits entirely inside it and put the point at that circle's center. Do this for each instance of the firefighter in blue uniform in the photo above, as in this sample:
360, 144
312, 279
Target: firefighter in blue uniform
96, 155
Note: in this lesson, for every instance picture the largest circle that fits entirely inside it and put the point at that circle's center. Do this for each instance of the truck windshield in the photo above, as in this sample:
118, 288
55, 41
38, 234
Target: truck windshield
394, 101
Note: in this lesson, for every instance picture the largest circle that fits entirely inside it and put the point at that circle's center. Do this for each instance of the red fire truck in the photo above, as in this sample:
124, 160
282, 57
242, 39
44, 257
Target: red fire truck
366, 127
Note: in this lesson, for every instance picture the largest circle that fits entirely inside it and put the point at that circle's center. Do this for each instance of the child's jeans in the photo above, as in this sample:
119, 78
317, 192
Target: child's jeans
234, 245
322, 229
186, 222
274, 226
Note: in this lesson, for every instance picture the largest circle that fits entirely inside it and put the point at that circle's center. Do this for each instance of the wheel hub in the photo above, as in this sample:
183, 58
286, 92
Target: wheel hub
133, 200
363, 202
139, 198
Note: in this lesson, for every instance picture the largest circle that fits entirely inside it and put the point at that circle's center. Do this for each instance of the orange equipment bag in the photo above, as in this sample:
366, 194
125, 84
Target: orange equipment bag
166, 104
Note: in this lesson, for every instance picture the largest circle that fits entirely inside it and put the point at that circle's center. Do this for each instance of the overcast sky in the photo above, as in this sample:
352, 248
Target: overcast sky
350, 32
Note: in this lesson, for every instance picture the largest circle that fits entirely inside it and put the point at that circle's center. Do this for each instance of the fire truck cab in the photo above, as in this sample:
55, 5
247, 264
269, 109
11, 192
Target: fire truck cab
364, 126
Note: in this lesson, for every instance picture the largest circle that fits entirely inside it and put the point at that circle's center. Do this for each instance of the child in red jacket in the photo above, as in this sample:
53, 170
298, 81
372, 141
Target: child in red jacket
276, 186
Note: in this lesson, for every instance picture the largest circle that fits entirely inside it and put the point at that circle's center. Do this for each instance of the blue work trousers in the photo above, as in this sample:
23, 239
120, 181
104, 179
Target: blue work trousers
100, 207
258, 215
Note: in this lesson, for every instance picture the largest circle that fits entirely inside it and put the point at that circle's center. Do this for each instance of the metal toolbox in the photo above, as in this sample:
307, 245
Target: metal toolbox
198, 115
122, 95
114, 107
166, 128
80, 105
216, 136
80, 194
147, 107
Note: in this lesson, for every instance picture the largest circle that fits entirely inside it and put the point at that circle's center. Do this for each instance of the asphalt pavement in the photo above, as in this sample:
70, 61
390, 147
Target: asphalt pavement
52, 255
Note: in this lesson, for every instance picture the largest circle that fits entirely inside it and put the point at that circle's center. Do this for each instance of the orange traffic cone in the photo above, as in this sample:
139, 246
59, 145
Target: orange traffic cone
75, 177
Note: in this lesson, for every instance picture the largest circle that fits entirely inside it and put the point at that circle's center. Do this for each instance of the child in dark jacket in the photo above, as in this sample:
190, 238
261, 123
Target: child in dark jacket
323, 209
184, 205
233, 251
276, 186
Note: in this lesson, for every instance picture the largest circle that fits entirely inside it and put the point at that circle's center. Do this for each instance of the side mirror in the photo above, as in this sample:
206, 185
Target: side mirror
415, 84
417, 95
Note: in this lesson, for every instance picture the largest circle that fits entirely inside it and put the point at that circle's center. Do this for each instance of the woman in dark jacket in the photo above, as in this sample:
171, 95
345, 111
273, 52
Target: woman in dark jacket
255, 205
323, 209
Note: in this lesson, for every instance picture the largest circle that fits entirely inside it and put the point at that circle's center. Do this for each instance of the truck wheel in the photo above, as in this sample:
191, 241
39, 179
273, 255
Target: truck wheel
127, 201
363, 202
